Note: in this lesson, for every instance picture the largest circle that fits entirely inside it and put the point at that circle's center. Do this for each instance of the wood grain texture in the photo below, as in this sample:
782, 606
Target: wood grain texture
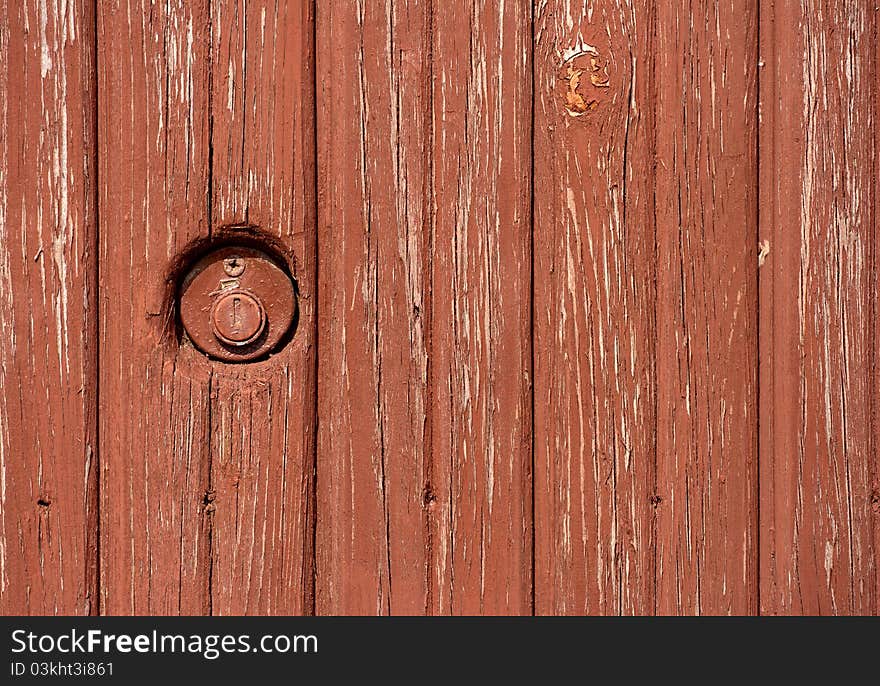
480, 484
155, 409
706, 214
48, 320
373, 175
213, 462
599, 331
424, 421
819, 497
594, 309
263, 414
645, 302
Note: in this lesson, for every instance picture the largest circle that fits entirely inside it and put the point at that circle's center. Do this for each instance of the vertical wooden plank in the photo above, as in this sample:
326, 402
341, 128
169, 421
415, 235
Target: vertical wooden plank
706, 216
262, 414
373, 183
47, 309
154, 408
424, 436
652, 205
208, 133
594, 306
818, 308
481, 411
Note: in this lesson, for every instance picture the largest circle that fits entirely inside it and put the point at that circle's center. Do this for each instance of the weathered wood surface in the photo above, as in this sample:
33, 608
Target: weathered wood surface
206, 468
706, 226
263, 414
594, 317
423, 401
154, 411
583, 326
820, 503
645, 309
374, 289
48, 514
480, 411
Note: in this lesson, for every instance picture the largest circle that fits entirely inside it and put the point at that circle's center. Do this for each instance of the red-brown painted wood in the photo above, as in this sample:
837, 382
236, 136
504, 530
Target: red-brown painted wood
48, 515
706, 214
819, 316
155, 416
594, 309
423, 405
373, 212
212, 461
263, 414
582, 329
645, 309
480, 410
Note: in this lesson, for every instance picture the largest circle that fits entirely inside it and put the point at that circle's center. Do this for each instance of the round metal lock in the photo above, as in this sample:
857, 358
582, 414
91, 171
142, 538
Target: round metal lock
236, 304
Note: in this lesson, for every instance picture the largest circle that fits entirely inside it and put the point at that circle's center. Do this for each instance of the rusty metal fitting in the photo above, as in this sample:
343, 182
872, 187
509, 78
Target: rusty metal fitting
236, 304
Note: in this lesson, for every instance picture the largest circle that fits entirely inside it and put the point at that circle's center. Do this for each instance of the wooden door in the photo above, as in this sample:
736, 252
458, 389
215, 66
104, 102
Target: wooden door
587, 307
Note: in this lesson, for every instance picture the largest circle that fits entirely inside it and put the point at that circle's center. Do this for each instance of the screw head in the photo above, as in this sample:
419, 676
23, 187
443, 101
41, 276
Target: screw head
238, 318
234, 265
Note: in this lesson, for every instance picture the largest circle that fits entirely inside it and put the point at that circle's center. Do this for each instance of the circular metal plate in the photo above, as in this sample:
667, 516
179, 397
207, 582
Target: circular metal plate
236, 304
238, 318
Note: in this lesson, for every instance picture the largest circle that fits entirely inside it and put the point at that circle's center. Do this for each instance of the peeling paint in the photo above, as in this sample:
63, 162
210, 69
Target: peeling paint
584, 69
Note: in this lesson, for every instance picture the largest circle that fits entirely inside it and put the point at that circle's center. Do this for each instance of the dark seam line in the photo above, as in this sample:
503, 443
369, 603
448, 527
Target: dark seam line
208, 511
873, 409
95, 302
428, 323
757, 471
532, 298
312, 608
209, 196
654, 23
758, 332
209, 514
